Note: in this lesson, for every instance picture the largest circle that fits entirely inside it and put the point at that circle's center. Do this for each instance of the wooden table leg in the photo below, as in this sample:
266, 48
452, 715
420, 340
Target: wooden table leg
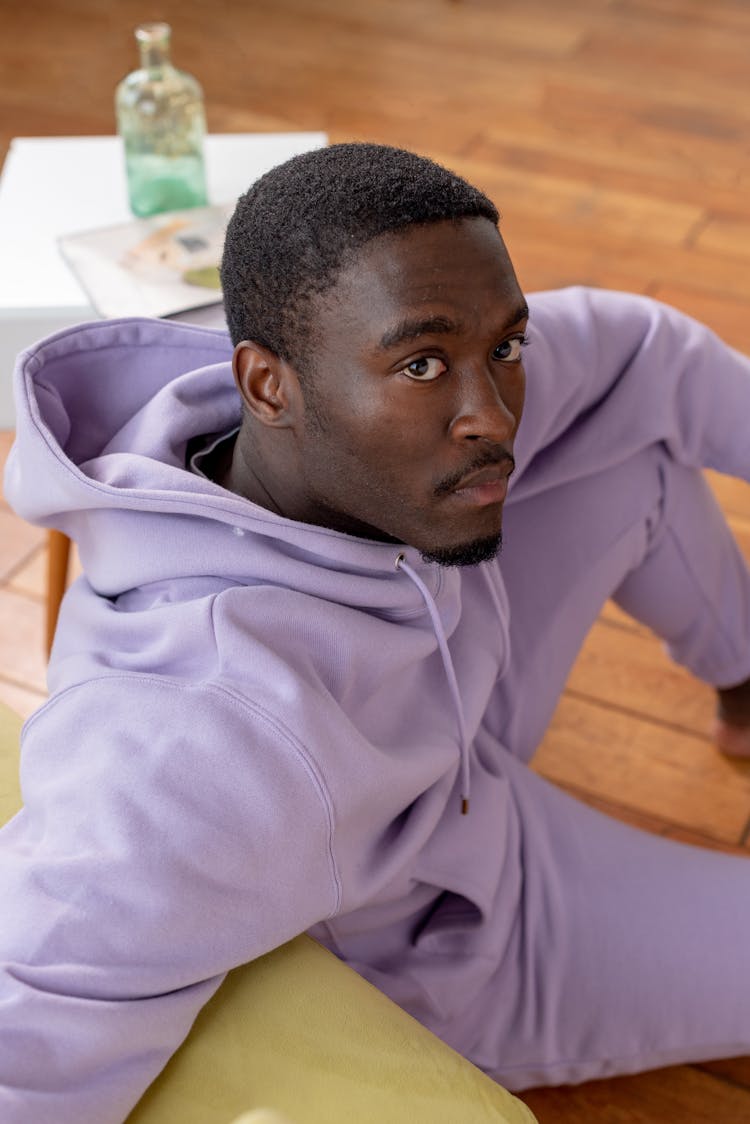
58, 554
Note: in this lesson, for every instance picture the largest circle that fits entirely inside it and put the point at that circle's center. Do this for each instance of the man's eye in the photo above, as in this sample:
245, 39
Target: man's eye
509, 351
424, 370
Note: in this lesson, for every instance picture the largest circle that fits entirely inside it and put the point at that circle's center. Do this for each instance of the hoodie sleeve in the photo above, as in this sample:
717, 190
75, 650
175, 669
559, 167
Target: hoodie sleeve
609, 374
169, 833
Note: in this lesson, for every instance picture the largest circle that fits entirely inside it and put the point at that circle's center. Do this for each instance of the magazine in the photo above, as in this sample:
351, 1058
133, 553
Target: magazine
157, 266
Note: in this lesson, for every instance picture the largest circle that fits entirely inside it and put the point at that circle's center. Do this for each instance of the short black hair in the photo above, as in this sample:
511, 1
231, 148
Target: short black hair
296, 227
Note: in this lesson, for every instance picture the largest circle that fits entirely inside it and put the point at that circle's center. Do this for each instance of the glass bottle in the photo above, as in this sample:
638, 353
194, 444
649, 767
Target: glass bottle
161, 120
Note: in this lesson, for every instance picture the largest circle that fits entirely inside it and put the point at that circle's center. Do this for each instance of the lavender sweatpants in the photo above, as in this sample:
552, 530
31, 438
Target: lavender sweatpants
631, 951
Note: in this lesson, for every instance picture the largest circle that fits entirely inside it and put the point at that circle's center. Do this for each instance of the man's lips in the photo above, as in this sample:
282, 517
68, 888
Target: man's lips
484, 489
483, 484
486, 477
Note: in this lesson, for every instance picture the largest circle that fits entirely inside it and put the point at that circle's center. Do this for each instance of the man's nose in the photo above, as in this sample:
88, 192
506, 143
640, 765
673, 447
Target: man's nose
483, 414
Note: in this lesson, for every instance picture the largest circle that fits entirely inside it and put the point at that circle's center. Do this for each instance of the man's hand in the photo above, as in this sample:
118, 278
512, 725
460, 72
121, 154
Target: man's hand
732, 729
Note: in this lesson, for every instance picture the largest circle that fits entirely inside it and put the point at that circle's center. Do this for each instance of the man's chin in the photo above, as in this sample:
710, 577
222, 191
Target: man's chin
466, 554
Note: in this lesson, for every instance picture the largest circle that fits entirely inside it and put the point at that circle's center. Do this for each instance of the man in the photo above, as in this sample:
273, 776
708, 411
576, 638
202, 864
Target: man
298, 687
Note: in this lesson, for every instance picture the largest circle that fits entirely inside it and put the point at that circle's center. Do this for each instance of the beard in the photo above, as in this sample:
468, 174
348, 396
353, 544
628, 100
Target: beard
466, 554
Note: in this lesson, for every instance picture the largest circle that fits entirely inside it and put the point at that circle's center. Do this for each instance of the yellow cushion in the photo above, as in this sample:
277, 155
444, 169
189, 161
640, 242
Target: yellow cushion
299, 1032
300, 1035
10, 789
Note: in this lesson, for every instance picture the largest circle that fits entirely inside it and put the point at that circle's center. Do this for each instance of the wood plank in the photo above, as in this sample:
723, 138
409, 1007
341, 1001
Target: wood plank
588, 136
651, 53
18, 541
22, 657
7, 437
740, 524
550, 252
552, 197
21, 699
726, 235
734, 15
736, 1070
487, 147
631, 761
733, 496
631, 671
679, 1095
459, 29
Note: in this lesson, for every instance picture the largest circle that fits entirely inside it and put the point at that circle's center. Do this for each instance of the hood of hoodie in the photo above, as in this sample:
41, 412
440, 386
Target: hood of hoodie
105, 414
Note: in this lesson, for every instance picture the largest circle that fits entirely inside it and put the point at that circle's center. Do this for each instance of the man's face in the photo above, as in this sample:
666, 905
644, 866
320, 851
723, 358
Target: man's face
418, 392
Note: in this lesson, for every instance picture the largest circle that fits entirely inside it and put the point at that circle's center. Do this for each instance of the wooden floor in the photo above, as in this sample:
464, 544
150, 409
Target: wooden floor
615, 137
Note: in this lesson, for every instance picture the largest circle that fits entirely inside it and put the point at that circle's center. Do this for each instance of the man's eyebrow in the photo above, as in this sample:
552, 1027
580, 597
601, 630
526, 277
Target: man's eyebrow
414, 328
521, 313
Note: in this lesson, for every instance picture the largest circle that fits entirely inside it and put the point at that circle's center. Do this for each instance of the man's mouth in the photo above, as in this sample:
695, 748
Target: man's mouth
494, 474
483, 482
484, 488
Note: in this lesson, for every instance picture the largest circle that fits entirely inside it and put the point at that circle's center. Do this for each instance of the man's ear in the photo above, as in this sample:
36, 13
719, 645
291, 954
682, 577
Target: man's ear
268, 385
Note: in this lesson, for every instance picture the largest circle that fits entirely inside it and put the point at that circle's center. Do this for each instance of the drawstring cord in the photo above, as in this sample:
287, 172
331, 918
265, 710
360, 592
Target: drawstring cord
450, 674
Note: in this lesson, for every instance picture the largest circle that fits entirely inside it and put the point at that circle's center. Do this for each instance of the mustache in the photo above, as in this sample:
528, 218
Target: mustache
496, 455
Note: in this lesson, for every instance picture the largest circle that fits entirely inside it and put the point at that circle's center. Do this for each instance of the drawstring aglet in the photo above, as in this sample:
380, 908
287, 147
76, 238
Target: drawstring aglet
464, 805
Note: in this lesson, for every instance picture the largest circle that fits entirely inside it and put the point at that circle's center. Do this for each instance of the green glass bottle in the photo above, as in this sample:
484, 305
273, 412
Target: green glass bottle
161, 120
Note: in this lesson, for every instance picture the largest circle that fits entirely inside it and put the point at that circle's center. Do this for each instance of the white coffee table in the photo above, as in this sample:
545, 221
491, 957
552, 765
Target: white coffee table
57, 185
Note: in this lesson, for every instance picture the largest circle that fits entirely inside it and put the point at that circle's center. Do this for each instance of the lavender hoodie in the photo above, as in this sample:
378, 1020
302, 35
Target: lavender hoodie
259, 727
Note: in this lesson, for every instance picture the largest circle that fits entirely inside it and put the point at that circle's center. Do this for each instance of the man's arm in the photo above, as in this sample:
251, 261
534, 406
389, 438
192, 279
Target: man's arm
610, 373
168, 835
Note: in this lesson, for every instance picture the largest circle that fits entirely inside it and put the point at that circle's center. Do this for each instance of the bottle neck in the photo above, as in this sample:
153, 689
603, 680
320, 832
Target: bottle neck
153, 44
